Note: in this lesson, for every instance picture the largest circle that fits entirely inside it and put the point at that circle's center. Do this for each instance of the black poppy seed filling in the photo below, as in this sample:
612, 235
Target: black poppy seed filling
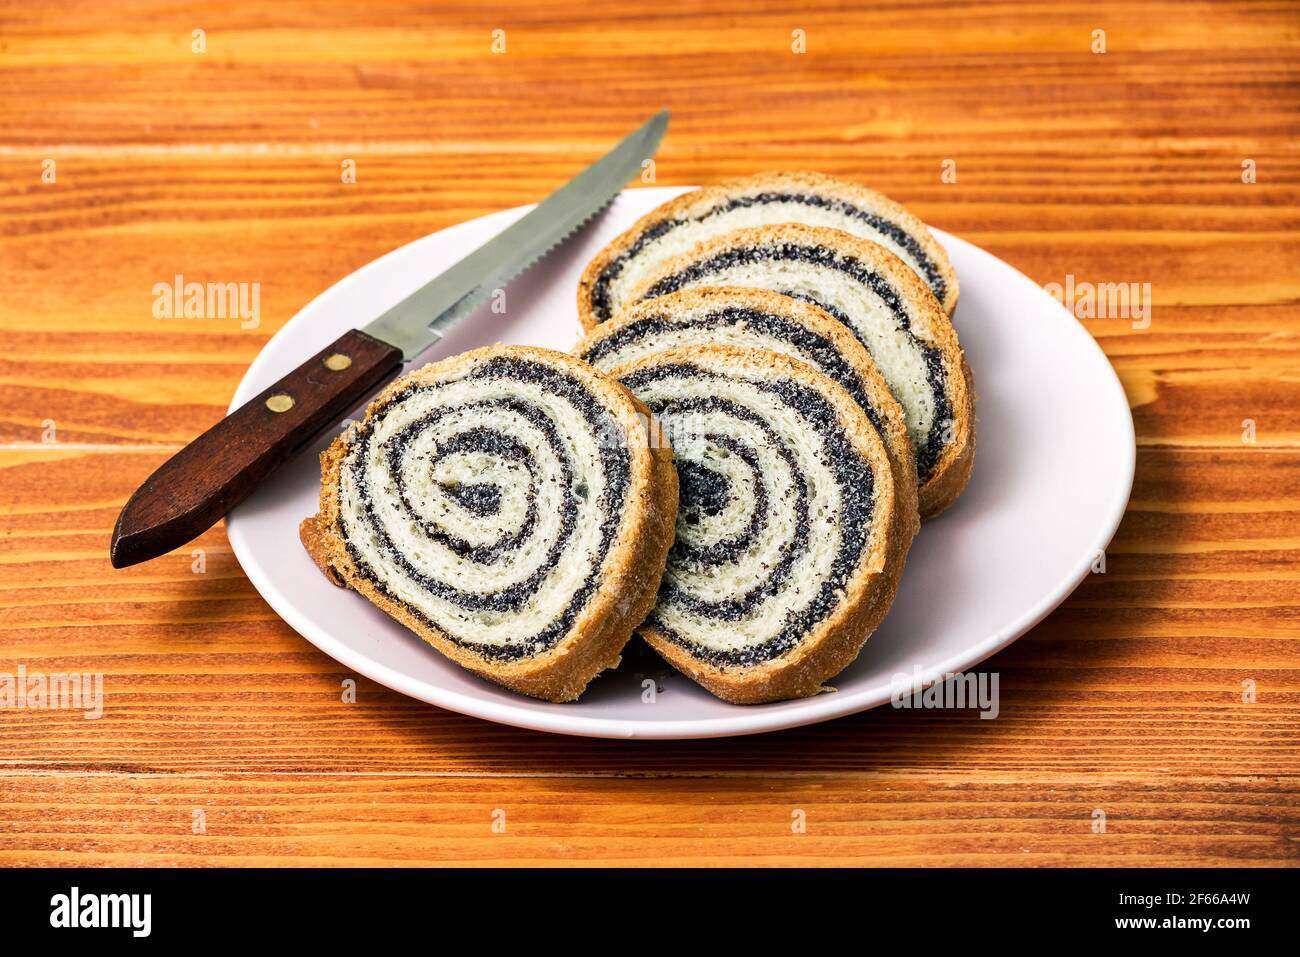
474, 440
855, 480
880, 224
509, 598
707, 491
728, 550
479, 498
822, 351
616, 465
929, 452
600, 292
700, 495
483, 499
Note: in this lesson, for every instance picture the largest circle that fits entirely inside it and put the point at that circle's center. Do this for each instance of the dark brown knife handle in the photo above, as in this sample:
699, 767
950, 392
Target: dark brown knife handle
203, 481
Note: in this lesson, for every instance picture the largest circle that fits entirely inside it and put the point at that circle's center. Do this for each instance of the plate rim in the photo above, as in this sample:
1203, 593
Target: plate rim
748, 719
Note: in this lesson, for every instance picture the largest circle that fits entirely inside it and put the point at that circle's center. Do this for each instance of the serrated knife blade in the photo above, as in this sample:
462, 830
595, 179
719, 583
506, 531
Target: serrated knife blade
189, 492
423, 317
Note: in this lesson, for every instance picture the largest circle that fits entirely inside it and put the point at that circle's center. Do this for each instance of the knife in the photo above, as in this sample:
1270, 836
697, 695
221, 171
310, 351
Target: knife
193, 489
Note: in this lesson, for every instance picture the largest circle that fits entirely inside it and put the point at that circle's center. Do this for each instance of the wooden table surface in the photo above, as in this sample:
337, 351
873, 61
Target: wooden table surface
224, 165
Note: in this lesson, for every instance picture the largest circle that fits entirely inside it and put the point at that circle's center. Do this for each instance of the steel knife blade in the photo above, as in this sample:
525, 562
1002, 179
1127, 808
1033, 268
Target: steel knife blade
425, 315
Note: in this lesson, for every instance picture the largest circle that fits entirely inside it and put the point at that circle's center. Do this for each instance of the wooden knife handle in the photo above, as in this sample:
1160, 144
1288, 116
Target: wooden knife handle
203, 481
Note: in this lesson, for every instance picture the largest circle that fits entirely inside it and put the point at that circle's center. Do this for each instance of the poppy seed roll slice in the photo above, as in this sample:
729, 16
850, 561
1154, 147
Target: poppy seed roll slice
762, 200
788, 551
508, 507
886, 307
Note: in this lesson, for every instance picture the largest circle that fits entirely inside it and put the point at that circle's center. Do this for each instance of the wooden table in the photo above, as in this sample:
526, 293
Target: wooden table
225, 165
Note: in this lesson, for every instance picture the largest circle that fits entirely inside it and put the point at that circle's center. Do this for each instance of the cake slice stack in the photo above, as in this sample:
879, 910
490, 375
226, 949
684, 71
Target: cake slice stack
732, 464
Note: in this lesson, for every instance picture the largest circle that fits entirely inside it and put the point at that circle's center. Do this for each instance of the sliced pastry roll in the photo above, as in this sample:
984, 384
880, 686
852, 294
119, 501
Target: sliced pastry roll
758, 319
882, 303
508, 507
788, 548
761, 200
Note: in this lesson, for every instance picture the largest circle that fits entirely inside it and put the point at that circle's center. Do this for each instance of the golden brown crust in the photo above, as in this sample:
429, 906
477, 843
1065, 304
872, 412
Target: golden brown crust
927, 321
953, 470
802, 180
632, 569
902, 459
834, 642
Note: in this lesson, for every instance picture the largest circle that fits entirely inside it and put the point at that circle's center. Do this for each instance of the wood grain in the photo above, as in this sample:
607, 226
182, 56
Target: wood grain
225, 166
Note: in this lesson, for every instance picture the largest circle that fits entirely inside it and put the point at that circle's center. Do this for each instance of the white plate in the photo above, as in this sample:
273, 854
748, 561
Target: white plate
1052, 477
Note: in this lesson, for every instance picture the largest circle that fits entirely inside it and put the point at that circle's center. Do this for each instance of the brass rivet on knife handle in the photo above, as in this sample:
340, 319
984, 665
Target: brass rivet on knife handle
190, 492
338, 362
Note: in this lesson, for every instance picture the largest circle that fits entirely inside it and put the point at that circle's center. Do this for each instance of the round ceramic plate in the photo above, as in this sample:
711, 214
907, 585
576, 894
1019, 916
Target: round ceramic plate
1052, 476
